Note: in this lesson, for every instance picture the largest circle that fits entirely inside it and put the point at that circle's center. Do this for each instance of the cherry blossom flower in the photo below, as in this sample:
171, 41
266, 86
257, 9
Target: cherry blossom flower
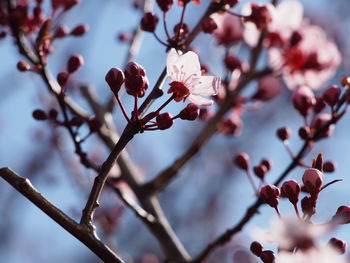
289, 233
229, 28
323, 254
187, 80
285, 19
311, 62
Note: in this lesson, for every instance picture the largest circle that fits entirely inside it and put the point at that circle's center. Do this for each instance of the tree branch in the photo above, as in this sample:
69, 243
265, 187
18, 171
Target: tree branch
24, 186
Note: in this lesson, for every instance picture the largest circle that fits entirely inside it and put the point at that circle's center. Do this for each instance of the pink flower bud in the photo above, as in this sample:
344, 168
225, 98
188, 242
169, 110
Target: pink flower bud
331, 95
149, 22
303, 99
53, 114
164, 121
260, 171
190, 113
267, 256
268, 88
284, 133
338, 244
291, 189
313, 180
329, 166
115, 79
79, 30
134, 69
62, 78
209, 25
61, 32
256, 248
342, 216
165, 5
75, 62
320, 121
39, 115
23, 66
232, 63
242, 161
269, 194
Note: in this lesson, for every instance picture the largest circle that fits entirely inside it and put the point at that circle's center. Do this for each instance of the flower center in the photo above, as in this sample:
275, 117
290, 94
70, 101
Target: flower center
179, 90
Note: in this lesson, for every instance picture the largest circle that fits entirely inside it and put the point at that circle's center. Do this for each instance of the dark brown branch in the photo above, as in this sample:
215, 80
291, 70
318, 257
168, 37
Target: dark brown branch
24, 186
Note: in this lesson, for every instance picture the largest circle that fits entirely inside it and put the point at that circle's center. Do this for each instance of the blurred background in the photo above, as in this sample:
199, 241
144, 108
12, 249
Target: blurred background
209, 194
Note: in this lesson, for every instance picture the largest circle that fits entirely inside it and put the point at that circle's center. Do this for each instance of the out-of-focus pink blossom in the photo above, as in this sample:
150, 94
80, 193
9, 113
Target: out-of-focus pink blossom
230, 28
187, 80
285, 19
268, 88
312, 61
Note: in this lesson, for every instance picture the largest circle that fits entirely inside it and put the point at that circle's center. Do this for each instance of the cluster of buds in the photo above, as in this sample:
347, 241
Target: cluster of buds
135, 82
63, 31
266, 256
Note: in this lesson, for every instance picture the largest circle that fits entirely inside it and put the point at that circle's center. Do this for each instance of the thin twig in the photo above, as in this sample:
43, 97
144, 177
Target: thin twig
24, 186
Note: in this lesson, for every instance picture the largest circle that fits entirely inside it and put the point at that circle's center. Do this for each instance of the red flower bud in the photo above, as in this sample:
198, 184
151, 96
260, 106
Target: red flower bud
232, 63
331, 95
267, 256
304, 132
79, 30
53, 114
260, 171
284, 133
329, 167
181, 30
320, 104
242, 161
342, 216
136, 85
291, 189
23, 66
62, 78
338, 244
115, 79
39, 115
61, 32
303, 100
165, 5
164, 121
190, 113
260, 15
209, 25
267, 163
75, 62
149, 22
134, 69
269, 194
308, 205
313, 180
256, 248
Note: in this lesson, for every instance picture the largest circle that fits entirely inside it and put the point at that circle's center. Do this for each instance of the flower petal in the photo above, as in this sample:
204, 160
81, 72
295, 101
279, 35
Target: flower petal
180, 67
199, 100
207, 86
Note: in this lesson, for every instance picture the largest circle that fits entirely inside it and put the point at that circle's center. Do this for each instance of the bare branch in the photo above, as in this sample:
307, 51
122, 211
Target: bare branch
24, 186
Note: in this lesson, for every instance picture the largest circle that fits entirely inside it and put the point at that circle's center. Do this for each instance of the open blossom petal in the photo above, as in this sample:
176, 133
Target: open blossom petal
199, 100
187, 81
207, 86
179, 67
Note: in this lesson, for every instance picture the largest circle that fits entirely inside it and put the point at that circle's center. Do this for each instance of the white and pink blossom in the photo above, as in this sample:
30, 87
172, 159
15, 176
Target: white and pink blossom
187, 80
